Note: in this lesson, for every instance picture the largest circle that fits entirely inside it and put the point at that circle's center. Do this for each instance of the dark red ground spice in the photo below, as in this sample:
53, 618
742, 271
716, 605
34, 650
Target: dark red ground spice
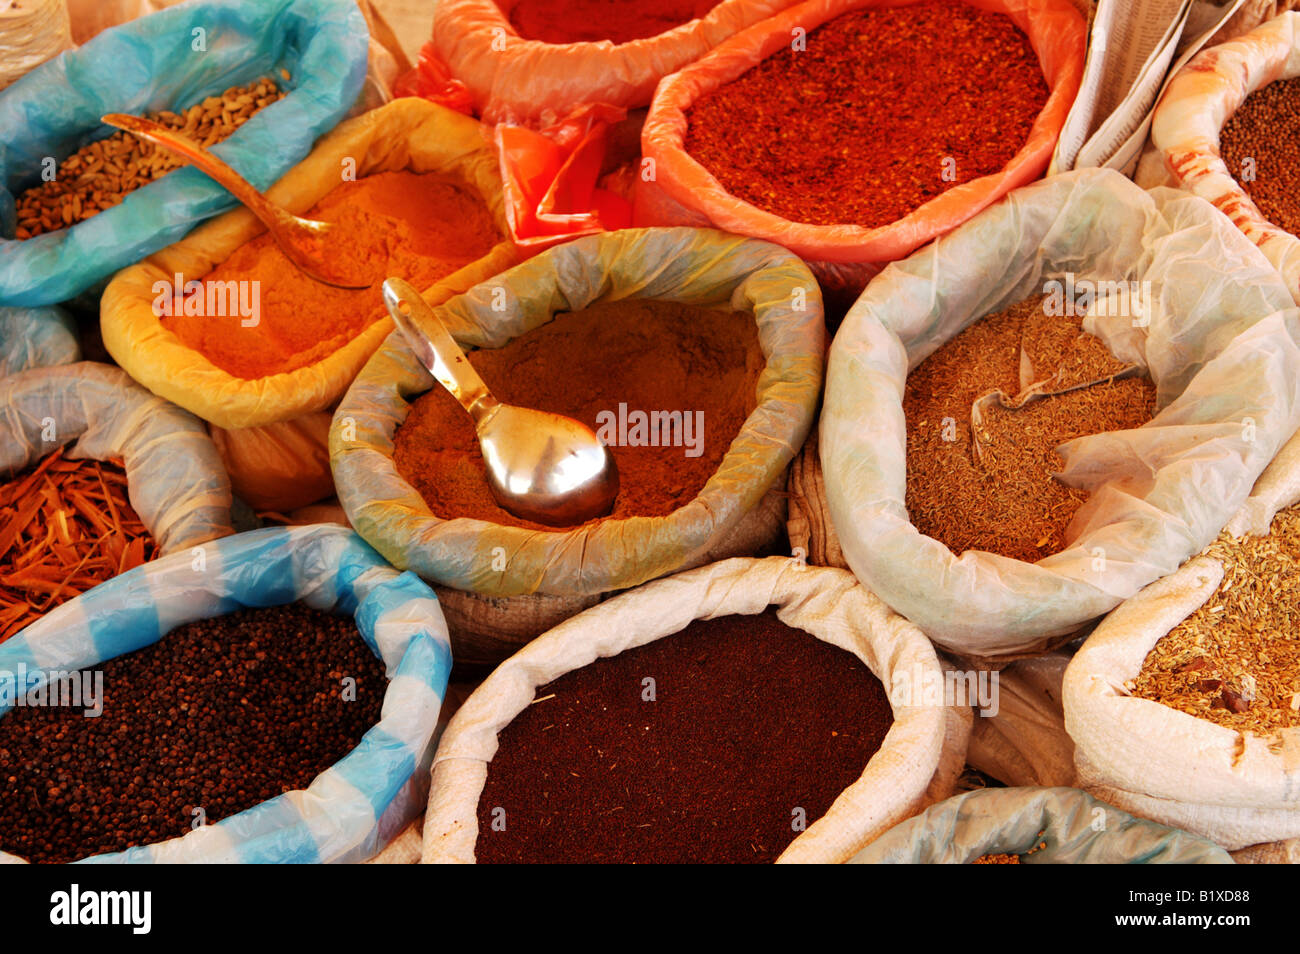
862, 126
586, 21
751, 719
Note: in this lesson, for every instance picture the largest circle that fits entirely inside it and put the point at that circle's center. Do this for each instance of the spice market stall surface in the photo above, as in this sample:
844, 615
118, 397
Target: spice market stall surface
523, 61
1035, 826
414, 189
1183, 703
300, 703
1227, 128
36, 338
691, 670
97, 475
695, 355
1169, 286
852, 161
147, 66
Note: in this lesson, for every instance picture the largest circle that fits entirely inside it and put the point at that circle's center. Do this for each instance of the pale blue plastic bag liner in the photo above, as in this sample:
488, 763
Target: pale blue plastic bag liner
148, 65
36, 338
1077, 829
352, 809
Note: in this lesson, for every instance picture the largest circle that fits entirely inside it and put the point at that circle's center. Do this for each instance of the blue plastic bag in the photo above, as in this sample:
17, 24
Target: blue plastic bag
36, 338
356, 806
148, 65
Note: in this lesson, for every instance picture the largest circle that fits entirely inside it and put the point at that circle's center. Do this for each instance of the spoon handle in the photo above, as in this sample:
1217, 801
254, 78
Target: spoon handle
436, 349
187, 149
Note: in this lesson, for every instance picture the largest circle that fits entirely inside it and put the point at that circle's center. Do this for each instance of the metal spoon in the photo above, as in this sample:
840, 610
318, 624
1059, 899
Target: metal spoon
304, 241
542, 467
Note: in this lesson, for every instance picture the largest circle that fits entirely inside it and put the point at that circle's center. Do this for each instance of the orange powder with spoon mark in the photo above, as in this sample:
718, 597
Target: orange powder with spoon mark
420, 226
646, 355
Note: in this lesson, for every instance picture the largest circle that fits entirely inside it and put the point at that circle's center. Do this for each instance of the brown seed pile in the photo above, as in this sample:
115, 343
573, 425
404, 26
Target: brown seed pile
1236, 660
1006, 859
1260, 144
1008, 501
219, 715
719, 744
100, 175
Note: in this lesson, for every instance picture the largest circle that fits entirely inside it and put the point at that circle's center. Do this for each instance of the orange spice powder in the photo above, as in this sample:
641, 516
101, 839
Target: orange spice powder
419, 226
647, 355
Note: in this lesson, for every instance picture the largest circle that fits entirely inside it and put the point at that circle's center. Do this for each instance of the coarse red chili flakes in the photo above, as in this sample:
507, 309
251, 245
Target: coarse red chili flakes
884, 110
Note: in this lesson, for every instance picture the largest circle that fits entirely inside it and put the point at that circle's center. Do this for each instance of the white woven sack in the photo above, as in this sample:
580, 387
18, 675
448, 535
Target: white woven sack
1155, 761
1024, 744
917, 764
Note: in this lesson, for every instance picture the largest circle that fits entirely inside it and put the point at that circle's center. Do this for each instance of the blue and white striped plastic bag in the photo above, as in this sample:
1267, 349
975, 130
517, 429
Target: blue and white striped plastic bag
352, 809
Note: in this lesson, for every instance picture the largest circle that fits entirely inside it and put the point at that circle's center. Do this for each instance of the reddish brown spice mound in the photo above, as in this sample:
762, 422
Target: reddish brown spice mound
884, 110
754, 729
587, 21
648, 355
1261, 148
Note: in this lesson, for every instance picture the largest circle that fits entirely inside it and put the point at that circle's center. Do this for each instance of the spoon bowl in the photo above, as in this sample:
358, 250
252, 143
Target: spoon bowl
542, 467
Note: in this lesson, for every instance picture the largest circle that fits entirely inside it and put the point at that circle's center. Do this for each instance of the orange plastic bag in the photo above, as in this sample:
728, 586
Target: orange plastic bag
549, 179
528, 82
683, 192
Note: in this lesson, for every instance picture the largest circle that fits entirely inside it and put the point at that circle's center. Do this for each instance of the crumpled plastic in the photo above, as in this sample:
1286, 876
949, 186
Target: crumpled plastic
356, 806
36, 338
1220, 347
1075, 827
149, 65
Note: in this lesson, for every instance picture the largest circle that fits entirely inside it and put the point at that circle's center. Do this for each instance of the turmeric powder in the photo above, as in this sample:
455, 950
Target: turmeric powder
420, 226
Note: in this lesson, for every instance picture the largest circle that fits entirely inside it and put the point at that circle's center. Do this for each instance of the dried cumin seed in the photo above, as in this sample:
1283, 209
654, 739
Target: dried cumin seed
1236, 660
1010, 502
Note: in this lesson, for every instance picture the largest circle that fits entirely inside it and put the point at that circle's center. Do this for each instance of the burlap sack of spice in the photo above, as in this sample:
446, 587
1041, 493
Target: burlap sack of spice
548, 576
1219, 345
175, 480
530, 82
1199, 100
357, 806
278, 469
1239, 789
808, 524
36, 338
918, 763
683, 192
1070, 826
1025, 742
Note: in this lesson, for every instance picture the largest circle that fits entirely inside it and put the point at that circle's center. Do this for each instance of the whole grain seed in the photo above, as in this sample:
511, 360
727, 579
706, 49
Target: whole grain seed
101, 174
219, 715
754, 729
1236, 660
884, 110
1260, 144
1008, 500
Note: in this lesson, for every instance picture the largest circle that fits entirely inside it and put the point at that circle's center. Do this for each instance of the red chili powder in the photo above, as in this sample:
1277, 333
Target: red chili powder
587, 21
718, 744
651, 356
885, 109
421, 226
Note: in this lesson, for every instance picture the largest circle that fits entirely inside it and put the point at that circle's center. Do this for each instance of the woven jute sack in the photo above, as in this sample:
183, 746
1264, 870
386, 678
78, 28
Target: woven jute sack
1238, 789
502, 585
1191, 113
918, 763
1024, 742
